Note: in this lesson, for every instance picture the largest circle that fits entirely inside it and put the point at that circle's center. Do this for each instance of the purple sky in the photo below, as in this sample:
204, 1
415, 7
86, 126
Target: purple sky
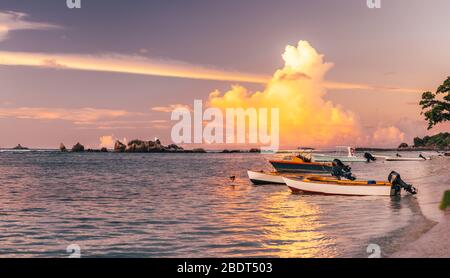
404, 44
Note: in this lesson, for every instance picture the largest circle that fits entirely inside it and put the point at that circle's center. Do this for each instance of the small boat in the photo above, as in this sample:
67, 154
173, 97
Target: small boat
329, 186
350, 157
300, 164
261, 177
401, 158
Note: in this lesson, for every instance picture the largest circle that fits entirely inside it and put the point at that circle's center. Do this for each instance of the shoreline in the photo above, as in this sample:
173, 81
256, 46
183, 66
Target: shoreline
201, 150
395, 241
433, 243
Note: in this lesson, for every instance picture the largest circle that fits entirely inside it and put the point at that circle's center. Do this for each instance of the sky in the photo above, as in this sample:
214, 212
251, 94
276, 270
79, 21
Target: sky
115, 69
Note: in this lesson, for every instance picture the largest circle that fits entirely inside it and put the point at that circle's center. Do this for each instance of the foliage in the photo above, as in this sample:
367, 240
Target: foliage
445, 200
441, 140
437, 110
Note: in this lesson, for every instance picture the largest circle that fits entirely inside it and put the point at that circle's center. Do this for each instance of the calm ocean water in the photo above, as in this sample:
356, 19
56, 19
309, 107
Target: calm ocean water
174, 205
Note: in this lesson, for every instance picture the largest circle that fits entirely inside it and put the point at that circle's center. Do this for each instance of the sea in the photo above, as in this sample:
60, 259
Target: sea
55, 204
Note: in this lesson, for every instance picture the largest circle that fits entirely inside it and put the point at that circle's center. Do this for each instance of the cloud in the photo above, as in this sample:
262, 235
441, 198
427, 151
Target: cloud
306, 119
11, 21
136, 64
107, 141
131, 64
388, 136
170, 108
82, 116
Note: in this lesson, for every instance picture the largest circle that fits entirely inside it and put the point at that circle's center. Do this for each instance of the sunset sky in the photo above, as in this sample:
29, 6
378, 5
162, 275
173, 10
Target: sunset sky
114, 69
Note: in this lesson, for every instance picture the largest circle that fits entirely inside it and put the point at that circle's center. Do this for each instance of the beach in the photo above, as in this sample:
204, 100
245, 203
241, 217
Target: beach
434, 242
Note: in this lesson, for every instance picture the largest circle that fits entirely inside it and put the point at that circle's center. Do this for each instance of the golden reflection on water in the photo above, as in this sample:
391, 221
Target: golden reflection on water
294, 228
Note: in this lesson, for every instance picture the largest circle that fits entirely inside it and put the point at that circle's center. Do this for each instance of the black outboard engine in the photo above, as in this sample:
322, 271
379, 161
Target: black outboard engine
340, 170
423, 157
398, 183
369, 157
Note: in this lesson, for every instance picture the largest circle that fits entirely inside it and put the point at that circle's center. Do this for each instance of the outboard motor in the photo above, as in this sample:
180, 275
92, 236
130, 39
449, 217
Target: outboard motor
398, 184
340, 170
423, 157
369, 157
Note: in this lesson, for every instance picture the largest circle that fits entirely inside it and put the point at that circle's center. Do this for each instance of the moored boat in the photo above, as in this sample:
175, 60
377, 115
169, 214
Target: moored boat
401, 158
300, 164
261, 177
327, 186
350, 157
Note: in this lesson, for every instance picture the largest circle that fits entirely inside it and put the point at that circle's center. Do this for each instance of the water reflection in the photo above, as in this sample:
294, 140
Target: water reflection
293, 228
177, 205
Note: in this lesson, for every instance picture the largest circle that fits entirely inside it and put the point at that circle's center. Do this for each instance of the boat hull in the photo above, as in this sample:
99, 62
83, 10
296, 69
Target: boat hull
405, 159
326, 158
303, 167
330, 188
261, 178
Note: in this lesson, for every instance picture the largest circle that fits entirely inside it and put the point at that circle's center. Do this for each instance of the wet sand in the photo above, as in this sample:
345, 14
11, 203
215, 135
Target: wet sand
434, 240
433, 244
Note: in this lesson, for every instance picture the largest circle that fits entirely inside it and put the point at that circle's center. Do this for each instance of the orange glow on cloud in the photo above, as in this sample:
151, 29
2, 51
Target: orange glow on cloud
297, 89
125, 64
135, 64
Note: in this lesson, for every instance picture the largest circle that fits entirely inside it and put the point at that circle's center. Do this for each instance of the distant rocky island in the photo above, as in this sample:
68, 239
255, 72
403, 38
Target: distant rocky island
19, 147
134, 146
142, 146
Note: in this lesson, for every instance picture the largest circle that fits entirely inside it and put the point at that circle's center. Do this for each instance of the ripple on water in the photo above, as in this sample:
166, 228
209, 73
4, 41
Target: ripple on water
175, 205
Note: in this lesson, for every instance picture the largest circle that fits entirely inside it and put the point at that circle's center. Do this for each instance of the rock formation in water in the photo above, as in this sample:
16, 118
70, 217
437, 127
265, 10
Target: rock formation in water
62, 148
198, 150
78, 148
19, 147
119, 147
403, 146
140, 146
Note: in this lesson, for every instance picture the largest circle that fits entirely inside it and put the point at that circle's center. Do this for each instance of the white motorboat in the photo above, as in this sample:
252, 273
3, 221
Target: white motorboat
328, 186
350, 157
265, 177
401, 158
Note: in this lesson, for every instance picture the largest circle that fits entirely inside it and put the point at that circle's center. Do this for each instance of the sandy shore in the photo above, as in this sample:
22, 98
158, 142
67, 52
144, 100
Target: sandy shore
433, 244
428, 235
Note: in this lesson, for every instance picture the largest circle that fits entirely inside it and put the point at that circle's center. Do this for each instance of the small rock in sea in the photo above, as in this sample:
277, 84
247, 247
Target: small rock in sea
62, 148
78, 148
104, 150
137, 146
19, 147
173, 147
199, 150
403, 146
119, 147
254, 150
